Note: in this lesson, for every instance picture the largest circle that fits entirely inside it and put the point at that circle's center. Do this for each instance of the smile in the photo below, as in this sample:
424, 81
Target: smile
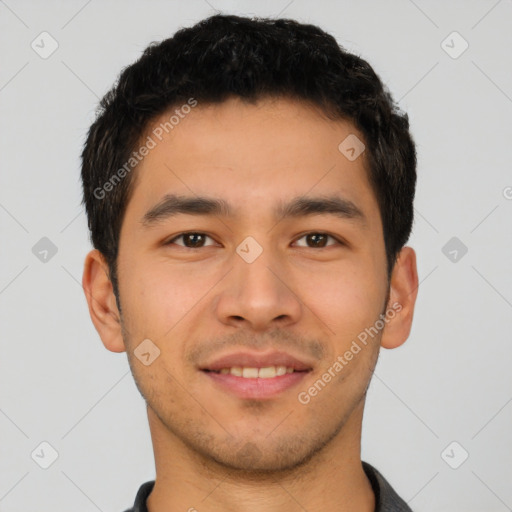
255, 383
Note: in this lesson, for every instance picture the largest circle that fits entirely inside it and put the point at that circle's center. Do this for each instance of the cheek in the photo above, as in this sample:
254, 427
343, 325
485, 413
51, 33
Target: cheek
348, 299
159, 295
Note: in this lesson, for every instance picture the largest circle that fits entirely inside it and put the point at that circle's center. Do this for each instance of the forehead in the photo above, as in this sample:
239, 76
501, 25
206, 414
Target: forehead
252, 155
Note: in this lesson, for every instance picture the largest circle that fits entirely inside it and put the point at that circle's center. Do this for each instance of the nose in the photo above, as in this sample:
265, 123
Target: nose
260, 295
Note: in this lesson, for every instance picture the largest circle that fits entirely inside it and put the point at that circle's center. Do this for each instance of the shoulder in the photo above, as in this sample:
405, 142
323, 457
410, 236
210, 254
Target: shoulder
386, 498
142, 495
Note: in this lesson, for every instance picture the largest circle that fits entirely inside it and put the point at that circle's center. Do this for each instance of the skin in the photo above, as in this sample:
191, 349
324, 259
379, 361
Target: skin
214, 451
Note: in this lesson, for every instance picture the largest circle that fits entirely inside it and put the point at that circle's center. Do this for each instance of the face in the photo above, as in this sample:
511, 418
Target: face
261, 275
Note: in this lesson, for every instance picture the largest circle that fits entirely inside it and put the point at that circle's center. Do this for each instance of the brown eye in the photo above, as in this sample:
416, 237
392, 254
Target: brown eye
317, 240
191, 240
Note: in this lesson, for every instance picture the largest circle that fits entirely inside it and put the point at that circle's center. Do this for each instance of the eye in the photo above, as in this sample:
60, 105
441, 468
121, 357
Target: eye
318, 240
196, 240
191, 240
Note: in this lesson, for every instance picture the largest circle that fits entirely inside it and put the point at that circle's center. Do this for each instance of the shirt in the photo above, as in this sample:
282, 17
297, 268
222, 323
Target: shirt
386, 499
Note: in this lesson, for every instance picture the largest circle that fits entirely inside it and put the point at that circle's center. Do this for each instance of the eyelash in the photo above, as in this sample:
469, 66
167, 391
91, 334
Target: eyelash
170, 242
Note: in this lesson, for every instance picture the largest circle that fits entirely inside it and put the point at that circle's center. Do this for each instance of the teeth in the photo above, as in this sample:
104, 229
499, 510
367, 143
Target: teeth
250, 373
282, 370
237, 371
253, 373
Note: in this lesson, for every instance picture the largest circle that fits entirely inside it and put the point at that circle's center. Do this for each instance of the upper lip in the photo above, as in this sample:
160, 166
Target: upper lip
257, 360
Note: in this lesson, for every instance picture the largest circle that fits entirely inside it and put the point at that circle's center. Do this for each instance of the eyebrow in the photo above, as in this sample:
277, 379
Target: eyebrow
171, 205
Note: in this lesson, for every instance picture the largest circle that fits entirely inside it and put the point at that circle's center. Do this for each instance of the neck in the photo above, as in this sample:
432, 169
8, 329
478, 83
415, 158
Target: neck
332, 480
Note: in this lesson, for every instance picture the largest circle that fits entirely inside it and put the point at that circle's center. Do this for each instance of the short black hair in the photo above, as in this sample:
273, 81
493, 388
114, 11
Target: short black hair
226, 56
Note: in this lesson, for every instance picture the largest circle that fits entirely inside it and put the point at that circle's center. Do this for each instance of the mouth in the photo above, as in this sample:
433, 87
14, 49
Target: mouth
267, 372
256, 376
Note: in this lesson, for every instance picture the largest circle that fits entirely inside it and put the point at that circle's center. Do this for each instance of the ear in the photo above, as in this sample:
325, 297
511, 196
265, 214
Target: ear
403, 290
102, 301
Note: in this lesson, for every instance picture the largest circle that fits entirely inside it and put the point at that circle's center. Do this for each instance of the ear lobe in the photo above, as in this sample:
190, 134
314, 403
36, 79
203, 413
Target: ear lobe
402, 298
102, 301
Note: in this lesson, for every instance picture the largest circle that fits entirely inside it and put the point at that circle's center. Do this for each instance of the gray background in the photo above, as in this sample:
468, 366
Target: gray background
450, 382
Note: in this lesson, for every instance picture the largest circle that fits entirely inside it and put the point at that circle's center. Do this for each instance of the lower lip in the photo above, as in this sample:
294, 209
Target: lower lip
256, 388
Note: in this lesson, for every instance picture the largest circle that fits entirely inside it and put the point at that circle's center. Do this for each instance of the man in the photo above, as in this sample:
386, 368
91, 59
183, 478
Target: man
249, 189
